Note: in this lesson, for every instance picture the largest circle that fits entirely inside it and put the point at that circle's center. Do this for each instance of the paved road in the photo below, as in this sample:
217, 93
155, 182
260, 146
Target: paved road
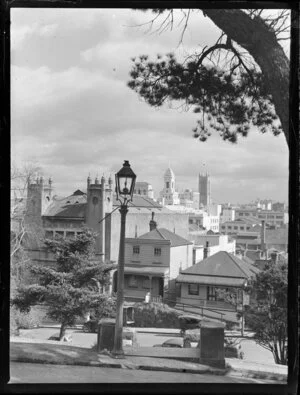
253, 352
29, 373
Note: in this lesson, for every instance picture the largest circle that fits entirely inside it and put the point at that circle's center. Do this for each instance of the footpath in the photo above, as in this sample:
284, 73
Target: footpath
52, 352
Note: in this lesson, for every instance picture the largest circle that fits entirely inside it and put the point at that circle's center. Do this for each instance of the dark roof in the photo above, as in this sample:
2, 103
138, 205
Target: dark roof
69, 207
165, 234
210, 280
78, 192
222, 264
73, 206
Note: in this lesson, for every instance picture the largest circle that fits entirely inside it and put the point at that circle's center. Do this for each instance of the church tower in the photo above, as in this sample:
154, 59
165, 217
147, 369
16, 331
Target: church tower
39, 197
204, 189
99, 205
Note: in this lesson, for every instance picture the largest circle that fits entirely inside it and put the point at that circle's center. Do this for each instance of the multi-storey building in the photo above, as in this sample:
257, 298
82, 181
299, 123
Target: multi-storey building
144, 189
240, 225
204, 189
205, 221
190, 198
275, 218
227, 214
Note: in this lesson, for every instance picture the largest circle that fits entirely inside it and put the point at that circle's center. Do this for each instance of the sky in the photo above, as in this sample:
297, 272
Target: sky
72, 113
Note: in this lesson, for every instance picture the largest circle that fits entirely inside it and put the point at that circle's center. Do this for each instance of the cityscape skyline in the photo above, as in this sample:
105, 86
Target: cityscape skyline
73, 115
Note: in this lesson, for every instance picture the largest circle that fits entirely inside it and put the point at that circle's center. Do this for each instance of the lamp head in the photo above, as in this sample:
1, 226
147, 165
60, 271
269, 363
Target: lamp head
125, 182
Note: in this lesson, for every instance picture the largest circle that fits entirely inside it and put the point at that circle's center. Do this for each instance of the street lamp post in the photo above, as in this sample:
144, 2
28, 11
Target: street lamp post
125, 182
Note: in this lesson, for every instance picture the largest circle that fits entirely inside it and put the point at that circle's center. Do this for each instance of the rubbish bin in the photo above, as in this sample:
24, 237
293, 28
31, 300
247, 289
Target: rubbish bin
106, 334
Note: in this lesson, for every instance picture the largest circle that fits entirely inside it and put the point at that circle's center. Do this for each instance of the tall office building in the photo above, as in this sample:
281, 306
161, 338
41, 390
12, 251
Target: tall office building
204, 189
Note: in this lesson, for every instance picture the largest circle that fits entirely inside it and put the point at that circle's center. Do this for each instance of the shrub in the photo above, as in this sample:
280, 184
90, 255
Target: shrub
193, 335
19, 320
156, 315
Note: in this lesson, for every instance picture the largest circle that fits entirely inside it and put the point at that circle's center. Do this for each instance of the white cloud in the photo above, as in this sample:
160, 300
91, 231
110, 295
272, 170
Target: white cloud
73, 114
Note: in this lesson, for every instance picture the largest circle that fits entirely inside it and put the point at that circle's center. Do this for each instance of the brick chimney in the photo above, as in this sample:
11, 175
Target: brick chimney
152, 223
206, 250
263, 237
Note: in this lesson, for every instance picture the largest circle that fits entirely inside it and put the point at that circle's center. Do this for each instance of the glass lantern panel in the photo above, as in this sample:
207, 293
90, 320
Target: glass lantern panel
125, 185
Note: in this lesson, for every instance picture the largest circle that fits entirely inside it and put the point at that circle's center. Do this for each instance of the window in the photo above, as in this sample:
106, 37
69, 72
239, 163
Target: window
136, 249
193, 289
132, 282
70, 234
59, 233
146, 283
223, 226
167, 184
157, 251
49, 234
235, 227
229, 227
247, 214
242, 228
248, 227
211, 293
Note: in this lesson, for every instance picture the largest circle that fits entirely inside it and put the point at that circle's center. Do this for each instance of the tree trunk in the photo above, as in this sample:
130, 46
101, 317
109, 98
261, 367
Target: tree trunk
261, 43
62, 331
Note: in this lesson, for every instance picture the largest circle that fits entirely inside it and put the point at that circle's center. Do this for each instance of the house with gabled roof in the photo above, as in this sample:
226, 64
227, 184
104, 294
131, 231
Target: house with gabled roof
153, 261
197, 286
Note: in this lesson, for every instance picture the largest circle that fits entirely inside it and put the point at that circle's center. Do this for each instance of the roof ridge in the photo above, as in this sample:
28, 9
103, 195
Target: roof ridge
161, 234
236, 263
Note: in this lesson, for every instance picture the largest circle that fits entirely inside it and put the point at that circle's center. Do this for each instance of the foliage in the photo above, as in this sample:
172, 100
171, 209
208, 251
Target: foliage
19, 320
267, 313
227, 102
106, 307
72, 287
147, 315
226, 83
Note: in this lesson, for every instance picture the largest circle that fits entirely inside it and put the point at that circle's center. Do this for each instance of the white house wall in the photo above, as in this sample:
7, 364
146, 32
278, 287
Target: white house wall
139, 222
146, 256
181, 258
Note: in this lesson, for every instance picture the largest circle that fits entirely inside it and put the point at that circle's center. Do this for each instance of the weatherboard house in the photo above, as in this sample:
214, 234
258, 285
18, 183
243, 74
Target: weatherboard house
197, 285
153, 261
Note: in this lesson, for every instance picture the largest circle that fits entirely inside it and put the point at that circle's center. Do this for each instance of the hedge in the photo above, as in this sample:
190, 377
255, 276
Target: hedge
155, 315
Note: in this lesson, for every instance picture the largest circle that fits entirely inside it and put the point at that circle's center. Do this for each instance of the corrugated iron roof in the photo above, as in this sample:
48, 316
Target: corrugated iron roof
210, 280
165, 234
69, 207
73, 206
222, 264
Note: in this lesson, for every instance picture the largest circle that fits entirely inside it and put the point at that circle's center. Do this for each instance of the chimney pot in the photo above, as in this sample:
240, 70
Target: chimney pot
152, 223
